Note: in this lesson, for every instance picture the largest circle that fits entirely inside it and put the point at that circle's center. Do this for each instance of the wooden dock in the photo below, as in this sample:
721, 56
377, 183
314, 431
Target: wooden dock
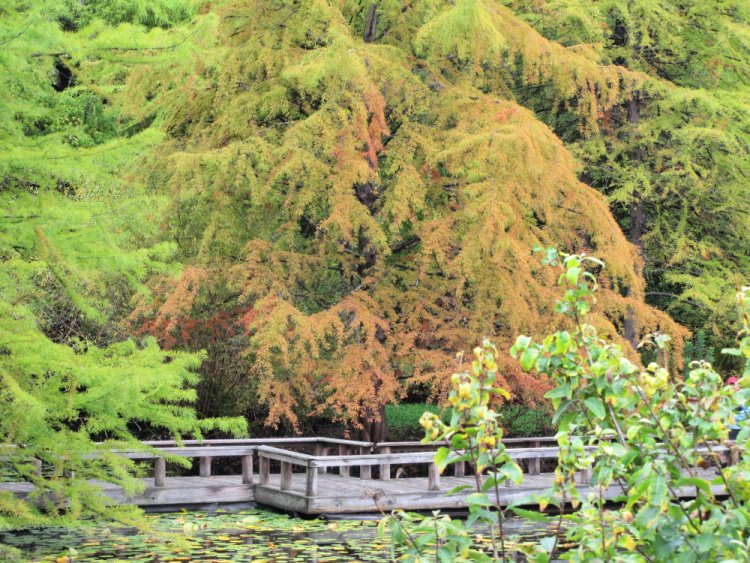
327, 476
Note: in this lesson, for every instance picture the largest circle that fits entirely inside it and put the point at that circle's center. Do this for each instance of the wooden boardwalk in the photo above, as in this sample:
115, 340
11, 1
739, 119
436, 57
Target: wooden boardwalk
328, 484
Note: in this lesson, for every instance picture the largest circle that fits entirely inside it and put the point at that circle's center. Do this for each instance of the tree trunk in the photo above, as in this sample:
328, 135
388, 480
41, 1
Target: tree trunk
371, 24
374, 427
637, 223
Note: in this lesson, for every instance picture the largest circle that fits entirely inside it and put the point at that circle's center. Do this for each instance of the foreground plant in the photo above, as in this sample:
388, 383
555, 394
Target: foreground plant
472, 436
647, 437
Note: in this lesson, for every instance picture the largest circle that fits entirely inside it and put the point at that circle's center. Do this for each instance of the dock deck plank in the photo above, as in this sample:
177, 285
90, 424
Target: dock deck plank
336, 494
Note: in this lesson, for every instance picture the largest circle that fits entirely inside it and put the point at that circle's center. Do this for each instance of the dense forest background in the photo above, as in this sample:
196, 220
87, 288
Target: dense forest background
330, 199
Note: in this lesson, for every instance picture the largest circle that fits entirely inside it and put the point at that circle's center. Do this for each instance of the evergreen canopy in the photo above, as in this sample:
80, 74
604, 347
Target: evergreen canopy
331, 200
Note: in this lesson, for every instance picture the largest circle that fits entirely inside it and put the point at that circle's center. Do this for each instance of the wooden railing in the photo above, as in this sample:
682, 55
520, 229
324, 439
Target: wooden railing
333, 453
313, 465
204, 455
206, 450
535, 466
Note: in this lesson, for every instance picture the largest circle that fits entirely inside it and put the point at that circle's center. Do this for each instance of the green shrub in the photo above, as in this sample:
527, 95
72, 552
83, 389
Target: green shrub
403, 420
520, 421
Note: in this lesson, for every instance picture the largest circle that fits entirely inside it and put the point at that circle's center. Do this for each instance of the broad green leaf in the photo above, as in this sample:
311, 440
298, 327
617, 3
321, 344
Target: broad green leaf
531, 515
528, 358
441, 458
596, 406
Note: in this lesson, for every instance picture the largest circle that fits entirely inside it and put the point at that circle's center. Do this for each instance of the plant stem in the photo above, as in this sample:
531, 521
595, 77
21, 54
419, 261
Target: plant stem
721, 473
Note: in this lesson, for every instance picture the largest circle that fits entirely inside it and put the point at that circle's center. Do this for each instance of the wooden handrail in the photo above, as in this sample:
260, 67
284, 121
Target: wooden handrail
313, 464
506, 441
302, 441
278, 454
190, 451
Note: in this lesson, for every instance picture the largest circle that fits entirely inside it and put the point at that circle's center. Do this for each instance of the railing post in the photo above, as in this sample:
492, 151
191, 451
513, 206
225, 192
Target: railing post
460, 468
584, 477
321, 450
247, 469
343, 450
264, 470
385, 468
37, 467
433, 478
535, 465
204, 469
365, 471
160, 472
311, 487
286, 476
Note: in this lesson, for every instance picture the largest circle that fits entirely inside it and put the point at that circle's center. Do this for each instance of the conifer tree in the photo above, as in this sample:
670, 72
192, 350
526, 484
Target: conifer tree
354, 188
77, 241
360, 214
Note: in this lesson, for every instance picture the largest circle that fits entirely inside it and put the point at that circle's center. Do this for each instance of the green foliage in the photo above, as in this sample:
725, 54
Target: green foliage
674, 158
521, 421
518, 421
698, 350
473, 435
78, 239
402, 419
149, 13
348, 210
648, 435
636, 430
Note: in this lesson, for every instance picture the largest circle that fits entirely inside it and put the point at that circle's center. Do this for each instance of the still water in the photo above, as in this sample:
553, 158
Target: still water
247, 535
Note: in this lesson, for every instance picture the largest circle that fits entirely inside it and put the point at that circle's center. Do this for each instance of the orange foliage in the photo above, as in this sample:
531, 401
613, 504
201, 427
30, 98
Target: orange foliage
360, 219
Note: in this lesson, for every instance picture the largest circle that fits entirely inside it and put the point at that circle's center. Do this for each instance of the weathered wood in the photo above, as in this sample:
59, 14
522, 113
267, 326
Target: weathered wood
160, 472
185, 492
290, 501
265, 471
204, 468
385, 468
535, 465
334, 494
375, 459
433, 478
327, 493
417, 457
287, 442
343, 451
193, 451
311, 485
365, 471
459, 468
247, 469
37, 467
507, 441
286, 476
295, 458
321, 450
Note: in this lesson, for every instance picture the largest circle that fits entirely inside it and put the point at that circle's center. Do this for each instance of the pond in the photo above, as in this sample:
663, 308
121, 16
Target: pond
246, 535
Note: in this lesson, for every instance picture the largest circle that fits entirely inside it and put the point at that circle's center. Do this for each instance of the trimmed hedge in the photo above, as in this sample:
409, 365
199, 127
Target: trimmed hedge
519, 421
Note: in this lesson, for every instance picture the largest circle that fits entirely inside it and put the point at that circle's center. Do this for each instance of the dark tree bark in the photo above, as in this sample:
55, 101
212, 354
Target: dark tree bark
637, 222
371, 24
374, 426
